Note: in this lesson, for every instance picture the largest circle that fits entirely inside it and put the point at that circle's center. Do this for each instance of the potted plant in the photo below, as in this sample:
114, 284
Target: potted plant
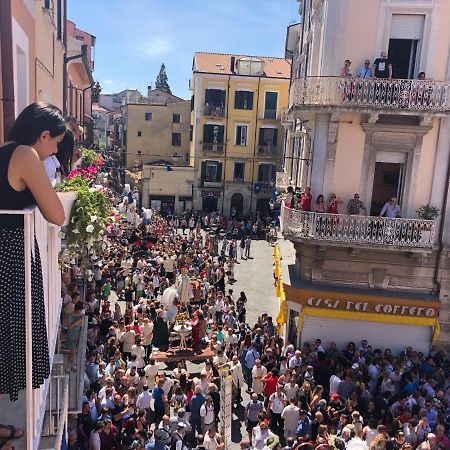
428, 212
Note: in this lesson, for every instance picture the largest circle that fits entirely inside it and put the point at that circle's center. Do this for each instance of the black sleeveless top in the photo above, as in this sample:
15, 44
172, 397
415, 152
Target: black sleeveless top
9, 197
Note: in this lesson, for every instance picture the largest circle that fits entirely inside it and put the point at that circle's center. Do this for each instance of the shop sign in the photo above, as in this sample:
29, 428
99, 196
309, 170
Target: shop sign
362, 303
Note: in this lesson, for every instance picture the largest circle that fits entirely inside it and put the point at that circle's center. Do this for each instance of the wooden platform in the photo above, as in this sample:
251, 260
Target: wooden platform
183, 355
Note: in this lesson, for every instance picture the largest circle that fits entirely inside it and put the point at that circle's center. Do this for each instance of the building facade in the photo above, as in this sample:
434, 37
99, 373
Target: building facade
236, 134
370, 139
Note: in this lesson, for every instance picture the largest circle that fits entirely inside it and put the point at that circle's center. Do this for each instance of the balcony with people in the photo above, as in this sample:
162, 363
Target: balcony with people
321, 222
215, 100
375, 86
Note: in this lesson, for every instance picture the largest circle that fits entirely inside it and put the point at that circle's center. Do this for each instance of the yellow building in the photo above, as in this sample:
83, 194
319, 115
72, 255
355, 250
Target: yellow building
237, 139
156, 129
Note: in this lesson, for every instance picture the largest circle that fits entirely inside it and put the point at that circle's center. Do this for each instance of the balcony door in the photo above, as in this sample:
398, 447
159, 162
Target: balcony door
387, 183
405, 41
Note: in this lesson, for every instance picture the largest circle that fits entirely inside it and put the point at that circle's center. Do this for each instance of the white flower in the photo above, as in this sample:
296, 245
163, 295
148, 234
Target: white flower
93, 218
75, 231
92, 189
90, 228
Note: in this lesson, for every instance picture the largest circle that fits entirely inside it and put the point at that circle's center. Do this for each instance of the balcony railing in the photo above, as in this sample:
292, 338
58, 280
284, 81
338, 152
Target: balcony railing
282, 180
144, 101
264, 186
268, 150
33, 403
369, 230
270, 114
210, 147
214, 110
399, 94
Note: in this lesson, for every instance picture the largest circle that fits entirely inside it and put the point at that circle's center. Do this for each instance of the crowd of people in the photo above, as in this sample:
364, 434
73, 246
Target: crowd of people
164, 269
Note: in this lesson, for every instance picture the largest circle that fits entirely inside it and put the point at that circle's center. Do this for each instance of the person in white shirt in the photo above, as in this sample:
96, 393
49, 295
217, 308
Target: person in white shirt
147, 335
128, 340
291, 389
207, 416
151, 370
258, 373
291, 416
335, 380
277, 402
238, 377
144, 401
296, 360
94, 438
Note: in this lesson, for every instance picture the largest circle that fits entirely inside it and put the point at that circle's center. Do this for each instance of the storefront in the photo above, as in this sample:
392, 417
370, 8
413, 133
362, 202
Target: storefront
163, 203
341, 317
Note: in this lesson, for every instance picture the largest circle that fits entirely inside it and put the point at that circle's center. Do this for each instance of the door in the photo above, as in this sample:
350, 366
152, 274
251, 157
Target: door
237, 202
403, 54
387, 183
209, 203
270, 105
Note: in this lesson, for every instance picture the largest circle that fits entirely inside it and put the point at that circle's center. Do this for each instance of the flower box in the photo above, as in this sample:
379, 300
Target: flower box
67, 199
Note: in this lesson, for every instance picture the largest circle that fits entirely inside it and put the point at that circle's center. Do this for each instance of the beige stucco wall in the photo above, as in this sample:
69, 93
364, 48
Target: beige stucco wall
349, 155
156, 140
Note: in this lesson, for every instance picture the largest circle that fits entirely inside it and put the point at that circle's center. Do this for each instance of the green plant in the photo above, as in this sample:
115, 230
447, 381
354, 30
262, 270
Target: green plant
428, 212
91, 214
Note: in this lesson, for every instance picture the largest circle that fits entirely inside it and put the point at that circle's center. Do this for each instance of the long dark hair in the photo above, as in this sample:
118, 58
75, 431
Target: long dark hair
34, 120
65, 152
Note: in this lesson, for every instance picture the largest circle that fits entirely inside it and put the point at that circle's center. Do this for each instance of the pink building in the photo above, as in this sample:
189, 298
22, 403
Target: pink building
80, 65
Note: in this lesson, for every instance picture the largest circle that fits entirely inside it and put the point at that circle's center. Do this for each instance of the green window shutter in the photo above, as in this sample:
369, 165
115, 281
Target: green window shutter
207, 133
260, 173
250, 100
261, 136
203, 173
219, 171
221, 134
275, 137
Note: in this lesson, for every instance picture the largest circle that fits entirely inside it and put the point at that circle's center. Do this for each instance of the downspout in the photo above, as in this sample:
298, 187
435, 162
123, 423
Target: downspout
226, 145
7, 74
83, 91
255, 146
441, 232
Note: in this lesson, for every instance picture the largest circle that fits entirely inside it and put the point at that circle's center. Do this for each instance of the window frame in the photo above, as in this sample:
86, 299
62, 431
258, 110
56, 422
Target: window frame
174, 143
177, 115
240, 144
148, 114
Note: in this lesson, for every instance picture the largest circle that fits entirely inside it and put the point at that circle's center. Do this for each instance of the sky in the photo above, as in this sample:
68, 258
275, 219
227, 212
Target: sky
135, 36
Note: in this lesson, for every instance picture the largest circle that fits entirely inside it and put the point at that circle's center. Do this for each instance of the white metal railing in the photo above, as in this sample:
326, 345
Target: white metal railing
47, 237
57, 408
355, 229
144, 101
421, 95
282, 180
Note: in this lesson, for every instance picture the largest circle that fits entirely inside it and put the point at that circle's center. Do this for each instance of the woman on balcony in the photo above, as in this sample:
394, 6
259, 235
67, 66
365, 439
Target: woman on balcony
33, 138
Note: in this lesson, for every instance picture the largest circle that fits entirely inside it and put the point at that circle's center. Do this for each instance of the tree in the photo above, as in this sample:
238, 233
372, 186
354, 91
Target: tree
162, 80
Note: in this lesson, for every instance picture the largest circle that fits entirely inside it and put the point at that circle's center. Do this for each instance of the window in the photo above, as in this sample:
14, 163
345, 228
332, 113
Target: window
191, 133
270, 105
214, 102
243, 100
175, 118
241, 135
192, 103
176, 139
268, 137
213, 134
148, 116
139, 133
239, 171
267, 172
212, 171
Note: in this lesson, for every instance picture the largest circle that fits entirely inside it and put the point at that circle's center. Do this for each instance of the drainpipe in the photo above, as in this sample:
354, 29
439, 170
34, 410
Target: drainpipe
255, 146
226, 145
441, 232
83, 91
7, 74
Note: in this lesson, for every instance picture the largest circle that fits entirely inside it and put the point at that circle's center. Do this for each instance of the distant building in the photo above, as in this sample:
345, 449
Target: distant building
237, 138
355, 138
113, 102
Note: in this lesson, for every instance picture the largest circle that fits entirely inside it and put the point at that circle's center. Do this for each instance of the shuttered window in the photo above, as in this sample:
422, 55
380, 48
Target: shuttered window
407, 26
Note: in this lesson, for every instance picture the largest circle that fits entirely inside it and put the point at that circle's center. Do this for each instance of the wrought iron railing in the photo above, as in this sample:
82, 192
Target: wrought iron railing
421, 95
214, 110
358, 229
210, 147
268, 150
270, 114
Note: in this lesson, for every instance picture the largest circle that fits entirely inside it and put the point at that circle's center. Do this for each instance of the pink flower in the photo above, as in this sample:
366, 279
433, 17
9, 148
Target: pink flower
92, 170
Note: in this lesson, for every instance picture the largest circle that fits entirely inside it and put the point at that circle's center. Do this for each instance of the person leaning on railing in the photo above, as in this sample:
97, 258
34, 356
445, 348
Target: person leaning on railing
24, 183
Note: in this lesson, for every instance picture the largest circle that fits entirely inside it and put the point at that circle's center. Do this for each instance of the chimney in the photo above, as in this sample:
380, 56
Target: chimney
149, 90
233, 59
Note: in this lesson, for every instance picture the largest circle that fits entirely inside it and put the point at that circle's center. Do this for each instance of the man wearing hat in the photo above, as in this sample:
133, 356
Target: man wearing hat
176, 442
160, 436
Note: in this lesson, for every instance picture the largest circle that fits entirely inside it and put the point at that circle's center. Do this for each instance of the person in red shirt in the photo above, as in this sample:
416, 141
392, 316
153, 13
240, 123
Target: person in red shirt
306, 200
270, 384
